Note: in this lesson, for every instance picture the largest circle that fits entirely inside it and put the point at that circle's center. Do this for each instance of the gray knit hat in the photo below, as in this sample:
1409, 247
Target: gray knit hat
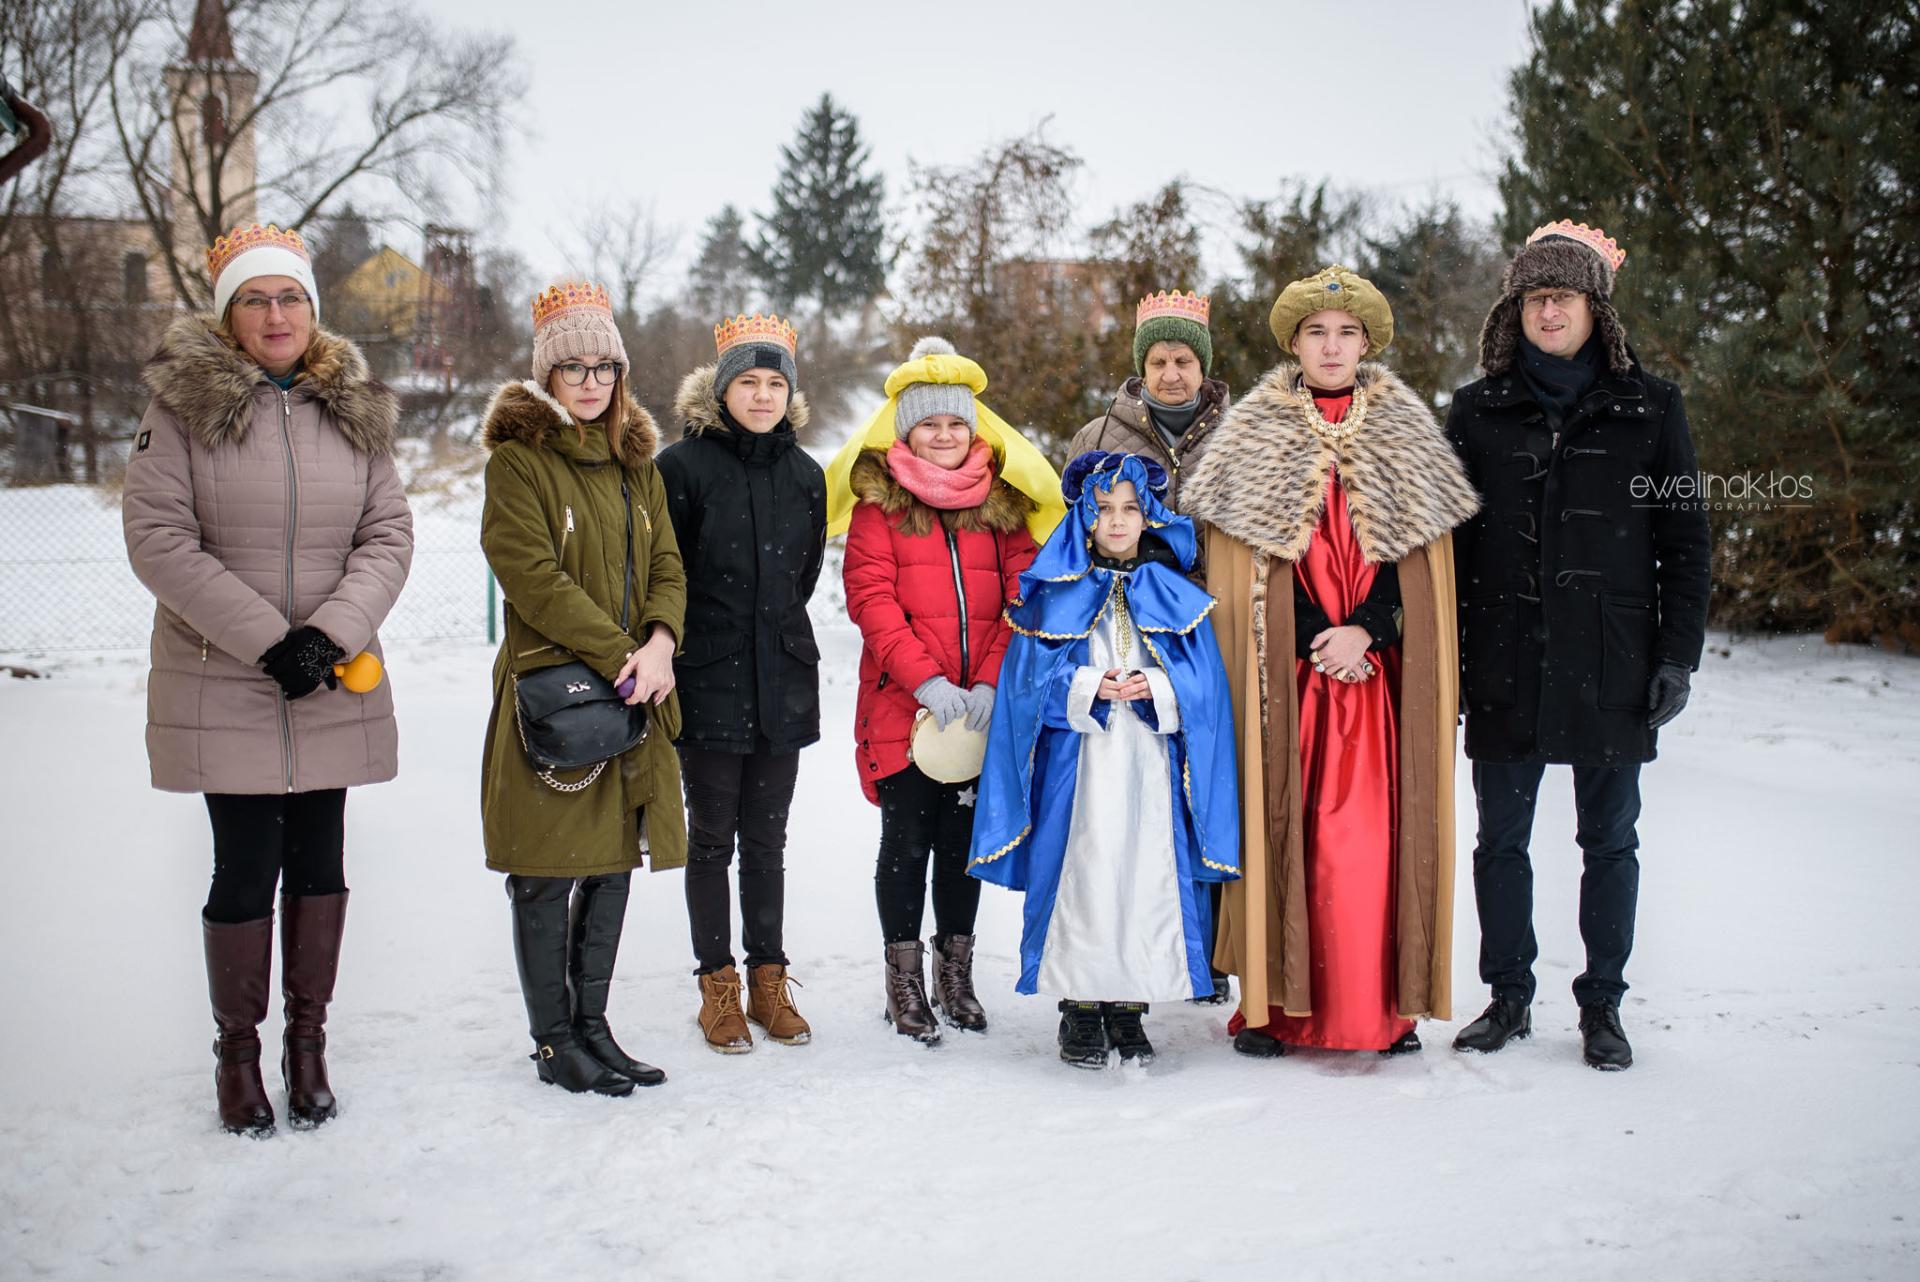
573, 321
920, 401
754, 342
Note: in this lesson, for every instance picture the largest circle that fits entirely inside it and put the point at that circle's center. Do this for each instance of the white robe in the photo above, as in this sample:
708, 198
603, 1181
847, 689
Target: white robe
1117, 932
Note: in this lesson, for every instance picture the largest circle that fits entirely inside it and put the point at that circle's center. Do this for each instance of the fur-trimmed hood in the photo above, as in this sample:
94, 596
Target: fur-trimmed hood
696, 406
1003, 511
525, 412
209, 385
1263, 479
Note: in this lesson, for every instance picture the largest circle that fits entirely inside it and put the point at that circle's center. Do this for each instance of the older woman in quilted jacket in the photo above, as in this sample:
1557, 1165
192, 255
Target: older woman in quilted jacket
263, 511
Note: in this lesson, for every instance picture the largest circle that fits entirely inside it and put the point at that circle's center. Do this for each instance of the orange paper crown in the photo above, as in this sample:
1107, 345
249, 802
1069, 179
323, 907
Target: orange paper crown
736, 330
1592, 237
241, 239
572, 296
1187, 306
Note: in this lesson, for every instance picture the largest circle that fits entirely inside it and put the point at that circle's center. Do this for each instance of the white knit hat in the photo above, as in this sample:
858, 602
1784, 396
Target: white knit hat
247, 252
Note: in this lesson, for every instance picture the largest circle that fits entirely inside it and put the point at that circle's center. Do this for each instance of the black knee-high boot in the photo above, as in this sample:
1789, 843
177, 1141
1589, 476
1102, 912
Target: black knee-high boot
540, 949
599, 912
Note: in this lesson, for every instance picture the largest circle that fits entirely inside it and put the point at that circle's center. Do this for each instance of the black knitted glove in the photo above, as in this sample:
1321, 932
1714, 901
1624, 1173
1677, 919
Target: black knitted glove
301, 660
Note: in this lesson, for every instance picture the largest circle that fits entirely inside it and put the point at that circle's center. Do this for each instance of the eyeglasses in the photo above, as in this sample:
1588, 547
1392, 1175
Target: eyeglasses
290, 302
1561, 299
573, 373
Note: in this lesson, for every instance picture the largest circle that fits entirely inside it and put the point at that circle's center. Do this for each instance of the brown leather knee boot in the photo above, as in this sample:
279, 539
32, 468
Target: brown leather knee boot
239, 964
310, 930
907, 992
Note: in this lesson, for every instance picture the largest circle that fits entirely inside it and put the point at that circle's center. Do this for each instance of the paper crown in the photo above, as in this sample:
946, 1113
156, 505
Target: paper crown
1592, 237
735, 330
241, 239
571, 297
1187, 306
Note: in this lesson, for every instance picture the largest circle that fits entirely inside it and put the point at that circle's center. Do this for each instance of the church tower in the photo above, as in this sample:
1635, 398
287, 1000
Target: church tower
211, 97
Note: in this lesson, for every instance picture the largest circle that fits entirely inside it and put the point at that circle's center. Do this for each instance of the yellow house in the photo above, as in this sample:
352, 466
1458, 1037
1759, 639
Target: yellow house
386, 297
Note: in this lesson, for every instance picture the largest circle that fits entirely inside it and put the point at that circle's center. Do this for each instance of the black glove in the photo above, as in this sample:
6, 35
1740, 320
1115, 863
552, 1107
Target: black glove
301, 660
1667, 693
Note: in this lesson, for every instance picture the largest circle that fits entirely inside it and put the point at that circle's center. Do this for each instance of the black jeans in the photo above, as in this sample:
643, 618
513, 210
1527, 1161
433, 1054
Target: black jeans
918, 817
259, 839
745, 796
1606, 803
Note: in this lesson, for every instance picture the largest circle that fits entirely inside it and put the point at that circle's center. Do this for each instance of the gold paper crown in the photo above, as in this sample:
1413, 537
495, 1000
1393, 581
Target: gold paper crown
241, 239
1187, 306
735, 330
573, 296
1592, 237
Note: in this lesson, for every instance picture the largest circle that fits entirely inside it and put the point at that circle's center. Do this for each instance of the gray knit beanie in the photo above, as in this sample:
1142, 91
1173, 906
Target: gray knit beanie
920, 401
737, 360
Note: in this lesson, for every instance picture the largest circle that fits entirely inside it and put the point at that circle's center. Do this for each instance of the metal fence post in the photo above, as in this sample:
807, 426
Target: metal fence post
493, 606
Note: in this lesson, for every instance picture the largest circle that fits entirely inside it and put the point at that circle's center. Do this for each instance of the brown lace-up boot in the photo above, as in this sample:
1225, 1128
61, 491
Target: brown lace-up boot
721, 1022
953, 985
770, 1005
907, 992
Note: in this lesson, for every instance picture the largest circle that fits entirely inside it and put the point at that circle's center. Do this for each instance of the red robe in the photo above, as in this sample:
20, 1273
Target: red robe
1349, 780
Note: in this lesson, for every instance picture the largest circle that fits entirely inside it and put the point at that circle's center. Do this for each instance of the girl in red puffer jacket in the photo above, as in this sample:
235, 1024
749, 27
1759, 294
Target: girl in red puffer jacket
935, 549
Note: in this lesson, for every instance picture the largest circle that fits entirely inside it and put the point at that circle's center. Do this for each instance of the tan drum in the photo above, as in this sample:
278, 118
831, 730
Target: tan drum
953, 755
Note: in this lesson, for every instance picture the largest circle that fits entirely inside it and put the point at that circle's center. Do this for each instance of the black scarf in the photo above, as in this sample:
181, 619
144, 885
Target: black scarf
760, 448
1558, 382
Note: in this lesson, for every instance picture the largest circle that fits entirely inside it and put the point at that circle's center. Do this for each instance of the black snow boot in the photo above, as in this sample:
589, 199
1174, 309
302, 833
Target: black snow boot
540, 949
1602, 1039
1501, 1022
593, 943
1125, 1032
1408, 1044
1083, 1034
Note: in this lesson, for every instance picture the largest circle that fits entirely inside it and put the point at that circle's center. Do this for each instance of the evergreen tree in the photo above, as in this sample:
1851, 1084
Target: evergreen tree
1767, 202
822, 242
1438, 272
720, 283
1293, 235
1142, 250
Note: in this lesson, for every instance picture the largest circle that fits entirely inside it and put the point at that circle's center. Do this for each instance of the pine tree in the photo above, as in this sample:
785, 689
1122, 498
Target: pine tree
720, 283
822, 242
1438, 272
1758, 162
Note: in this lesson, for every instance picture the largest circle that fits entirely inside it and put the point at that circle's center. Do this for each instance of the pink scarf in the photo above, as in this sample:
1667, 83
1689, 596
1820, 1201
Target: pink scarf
949, 489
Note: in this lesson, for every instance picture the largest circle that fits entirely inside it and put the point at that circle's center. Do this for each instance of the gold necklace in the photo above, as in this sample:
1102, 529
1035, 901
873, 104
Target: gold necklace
1334, 433
1122, 626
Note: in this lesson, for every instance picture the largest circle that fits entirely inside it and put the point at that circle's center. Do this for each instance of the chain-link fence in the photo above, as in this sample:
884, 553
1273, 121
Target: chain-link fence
65, 584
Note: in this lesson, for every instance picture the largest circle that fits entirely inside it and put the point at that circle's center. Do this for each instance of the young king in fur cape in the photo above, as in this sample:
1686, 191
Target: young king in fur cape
1107, 813
1315, 492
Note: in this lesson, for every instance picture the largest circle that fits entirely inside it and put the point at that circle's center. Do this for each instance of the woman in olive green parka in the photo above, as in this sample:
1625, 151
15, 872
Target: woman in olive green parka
554, 529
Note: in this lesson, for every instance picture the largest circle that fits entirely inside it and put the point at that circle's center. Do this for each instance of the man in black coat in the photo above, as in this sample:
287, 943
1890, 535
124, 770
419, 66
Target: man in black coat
1583, 604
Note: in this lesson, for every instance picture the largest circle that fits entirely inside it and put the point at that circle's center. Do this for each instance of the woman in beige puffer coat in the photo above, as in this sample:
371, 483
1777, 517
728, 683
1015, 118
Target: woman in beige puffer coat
263, 511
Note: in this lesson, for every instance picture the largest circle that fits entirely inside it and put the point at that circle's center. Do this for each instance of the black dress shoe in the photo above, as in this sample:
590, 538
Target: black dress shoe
1408, 1044
1221, 995
1259, 1043
1602, 1039
1501, 1022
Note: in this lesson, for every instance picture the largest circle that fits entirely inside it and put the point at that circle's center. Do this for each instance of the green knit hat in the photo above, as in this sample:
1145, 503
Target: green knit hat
1173, 318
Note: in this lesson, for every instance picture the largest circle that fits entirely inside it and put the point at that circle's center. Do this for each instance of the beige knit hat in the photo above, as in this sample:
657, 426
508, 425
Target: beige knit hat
573, 321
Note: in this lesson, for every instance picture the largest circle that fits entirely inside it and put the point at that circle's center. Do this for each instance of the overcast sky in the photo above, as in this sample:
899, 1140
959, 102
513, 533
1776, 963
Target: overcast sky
694, 99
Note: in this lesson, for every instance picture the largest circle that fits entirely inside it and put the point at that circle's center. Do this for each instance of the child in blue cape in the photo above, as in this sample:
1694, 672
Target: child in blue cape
1109, 789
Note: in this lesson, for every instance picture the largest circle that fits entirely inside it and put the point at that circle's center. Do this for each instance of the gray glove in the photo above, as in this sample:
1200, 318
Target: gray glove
945, 700
979, 707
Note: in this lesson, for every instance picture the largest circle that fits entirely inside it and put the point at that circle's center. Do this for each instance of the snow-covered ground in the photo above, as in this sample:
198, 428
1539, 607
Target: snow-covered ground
1771, 1128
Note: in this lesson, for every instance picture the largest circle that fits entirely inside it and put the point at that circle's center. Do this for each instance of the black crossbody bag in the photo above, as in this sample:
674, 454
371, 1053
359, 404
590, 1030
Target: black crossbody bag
570, 717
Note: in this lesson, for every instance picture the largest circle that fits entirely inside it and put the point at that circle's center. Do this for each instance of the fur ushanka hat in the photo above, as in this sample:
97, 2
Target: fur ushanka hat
1562, 255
